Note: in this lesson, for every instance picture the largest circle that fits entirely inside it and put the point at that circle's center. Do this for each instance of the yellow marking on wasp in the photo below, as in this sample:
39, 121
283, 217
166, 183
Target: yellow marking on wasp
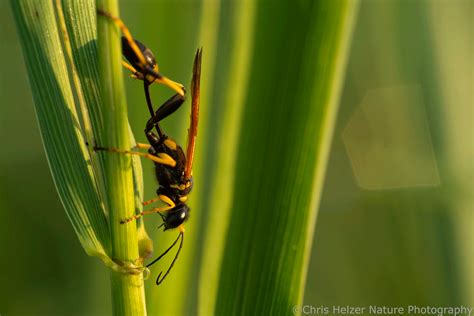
184, 198
180, 187
162, 158
142, 146
156, 68
128, 36
171, 144
181, 228
166, 159
179, 88
167, 200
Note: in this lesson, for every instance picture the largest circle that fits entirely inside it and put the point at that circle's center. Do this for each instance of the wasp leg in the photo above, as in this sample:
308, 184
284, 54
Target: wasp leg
135, 74
152, 211
149, 103
126, 34
143, 146
165, 110
161, 158
144, 203
163, 198
158, 78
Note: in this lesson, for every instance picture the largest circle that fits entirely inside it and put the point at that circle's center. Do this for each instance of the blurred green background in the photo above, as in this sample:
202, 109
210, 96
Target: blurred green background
396, 221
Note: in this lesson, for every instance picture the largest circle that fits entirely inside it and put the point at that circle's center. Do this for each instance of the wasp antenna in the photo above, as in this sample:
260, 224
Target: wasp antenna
162, 224
160, 279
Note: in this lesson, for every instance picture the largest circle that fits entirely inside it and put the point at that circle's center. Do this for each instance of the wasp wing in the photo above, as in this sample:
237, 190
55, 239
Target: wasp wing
192, 131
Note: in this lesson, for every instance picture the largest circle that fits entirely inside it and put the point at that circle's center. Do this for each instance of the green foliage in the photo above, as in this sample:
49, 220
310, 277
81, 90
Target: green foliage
373, 245
290, 104
61, 54
63, 113
267, 112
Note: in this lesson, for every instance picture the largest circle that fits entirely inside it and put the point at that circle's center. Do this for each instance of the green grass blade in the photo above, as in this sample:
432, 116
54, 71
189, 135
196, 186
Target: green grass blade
285, 135
59, 44
55, 94
227, 108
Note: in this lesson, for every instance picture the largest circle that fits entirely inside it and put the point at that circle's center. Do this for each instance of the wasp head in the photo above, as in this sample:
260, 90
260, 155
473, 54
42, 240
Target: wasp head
176, 216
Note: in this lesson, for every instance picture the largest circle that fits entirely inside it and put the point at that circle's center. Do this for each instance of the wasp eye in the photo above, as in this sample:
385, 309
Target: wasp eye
149, 57
150, 60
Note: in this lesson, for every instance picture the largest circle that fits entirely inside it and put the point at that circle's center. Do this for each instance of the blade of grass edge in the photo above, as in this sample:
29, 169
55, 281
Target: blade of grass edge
348, 20
224, 142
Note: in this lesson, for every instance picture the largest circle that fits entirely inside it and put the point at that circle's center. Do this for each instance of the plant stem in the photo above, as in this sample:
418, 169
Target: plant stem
128, 297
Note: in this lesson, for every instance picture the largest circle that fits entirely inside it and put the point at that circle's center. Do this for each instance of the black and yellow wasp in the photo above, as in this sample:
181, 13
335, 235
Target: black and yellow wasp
173, 167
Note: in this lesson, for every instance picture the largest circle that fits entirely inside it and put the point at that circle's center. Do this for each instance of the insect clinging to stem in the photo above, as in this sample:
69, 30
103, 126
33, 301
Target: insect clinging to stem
173, 167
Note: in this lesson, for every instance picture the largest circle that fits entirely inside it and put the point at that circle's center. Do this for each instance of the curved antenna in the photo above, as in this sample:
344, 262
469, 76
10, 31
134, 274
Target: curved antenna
160, 279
